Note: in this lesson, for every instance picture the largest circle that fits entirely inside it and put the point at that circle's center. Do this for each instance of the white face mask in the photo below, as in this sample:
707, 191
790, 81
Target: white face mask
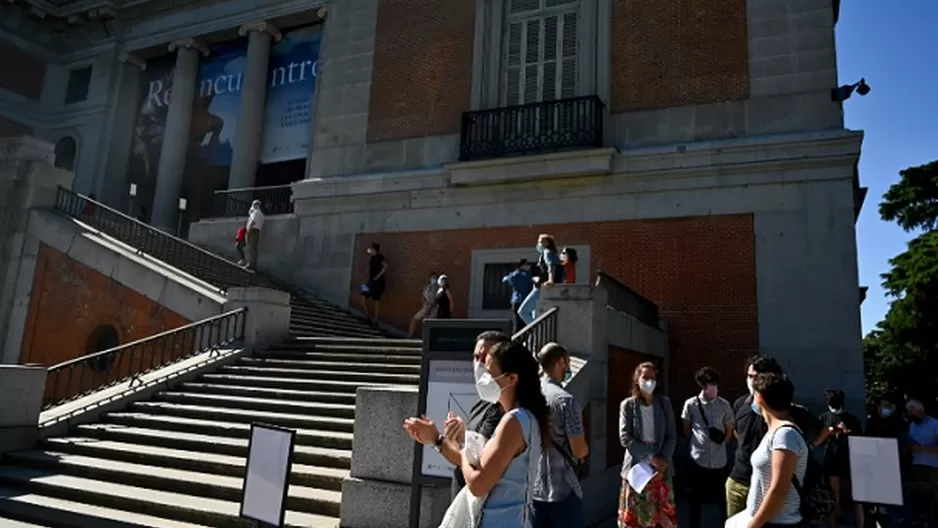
539, 246
478, 369
433, 280
488, 387
835, 411
647, 385
749, 384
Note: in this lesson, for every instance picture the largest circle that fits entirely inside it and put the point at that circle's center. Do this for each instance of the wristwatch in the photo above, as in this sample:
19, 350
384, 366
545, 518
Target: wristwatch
438, 445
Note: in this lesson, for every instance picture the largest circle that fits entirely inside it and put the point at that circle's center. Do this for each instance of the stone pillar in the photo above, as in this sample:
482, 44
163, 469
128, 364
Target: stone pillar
28, 179
23, 388
268, 317
176, 137
113, 188
249, 134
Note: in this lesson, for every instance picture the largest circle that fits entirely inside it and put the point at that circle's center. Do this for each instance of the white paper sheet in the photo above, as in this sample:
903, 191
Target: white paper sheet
874, 470
640, 475
740, 520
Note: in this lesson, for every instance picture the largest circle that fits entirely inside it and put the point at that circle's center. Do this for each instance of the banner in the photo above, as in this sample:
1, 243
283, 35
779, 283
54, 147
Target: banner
218, 103
147, 140
292, 74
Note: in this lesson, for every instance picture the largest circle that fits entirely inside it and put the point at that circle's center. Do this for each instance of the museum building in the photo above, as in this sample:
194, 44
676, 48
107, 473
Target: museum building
692, 150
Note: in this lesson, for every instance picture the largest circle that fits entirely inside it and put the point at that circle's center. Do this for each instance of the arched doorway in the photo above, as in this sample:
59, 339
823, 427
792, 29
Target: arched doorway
103, 337
65, 152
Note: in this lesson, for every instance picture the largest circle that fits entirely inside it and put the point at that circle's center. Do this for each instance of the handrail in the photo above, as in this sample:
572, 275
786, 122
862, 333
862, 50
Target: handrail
626, 300
99, 370
541, 331
275, 199
172, 250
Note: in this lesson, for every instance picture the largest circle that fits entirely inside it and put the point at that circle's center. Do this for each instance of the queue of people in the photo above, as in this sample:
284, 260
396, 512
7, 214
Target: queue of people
534, 443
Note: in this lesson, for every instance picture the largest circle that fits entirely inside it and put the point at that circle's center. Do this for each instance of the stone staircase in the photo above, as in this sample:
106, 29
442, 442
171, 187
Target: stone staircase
178, 459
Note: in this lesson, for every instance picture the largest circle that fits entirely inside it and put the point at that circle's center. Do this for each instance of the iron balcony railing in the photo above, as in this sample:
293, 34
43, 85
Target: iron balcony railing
626, 300
277, 199
531, 128
163, 246
541, 331
82, 376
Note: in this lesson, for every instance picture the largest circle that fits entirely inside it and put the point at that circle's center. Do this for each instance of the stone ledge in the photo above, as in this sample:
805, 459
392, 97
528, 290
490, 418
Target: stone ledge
534, 167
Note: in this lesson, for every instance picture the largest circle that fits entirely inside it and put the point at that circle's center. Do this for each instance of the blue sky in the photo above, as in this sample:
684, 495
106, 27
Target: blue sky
893, 44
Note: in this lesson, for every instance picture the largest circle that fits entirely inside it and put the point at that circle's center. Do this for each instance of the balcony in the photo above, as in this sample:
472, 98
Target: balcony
549, 126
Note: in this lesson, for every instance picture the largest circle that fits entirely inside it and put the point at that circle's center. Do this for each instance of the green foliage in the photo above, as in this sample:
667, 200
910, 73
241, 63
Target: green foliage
901, 353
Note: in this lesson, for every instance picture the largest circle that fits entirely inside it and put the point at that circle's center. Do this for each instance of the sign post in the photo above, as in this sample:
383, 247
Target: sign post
267, 476
447, 385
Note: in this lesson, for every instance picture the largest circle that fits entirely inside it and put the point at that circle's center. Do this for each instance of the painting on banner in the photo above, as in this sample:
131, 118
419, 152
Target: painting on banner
217, 104
292, 73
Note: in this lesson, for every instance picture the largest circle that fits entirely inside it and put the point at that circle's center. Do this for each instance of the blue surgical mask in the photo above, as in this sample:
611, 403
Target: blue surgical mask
568, 375
539, 247
886, 412
755, 408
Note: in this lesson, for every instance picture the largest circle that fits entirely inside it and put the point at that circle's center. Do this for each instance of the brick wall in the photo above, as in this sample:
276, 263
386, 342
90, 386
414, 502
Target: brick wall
20, 71
677, 53
699, 271
10, 128
422, 68
70, 301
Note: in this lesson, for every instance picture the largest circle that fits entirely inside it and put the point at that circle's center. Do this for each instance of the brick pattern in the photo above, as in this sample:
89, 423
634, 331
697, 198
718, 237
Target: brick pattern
422, 68
70, 301
21, 72
10, 128
700, 271
622, 363
678, 53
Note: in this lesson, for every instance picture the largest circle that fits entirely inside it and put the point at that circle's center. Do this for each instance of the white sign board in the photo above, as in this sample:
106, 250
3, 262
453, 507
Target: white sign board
267, 479
450, 388
874, 470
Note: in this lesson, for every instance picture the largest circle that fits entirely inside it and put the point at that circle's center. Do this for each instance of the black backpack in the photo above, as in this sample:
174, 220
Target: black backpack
815, 493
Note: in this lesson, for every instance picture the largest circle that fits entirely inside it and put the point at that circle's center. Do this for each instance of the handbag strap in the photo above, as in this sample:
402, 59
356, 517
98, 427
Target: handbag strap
702, 412
567, 457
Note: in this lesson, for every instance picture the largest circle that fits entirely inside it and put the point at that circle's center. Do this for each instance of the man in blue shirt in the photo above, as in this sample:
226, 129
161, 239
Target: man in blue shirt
521, 285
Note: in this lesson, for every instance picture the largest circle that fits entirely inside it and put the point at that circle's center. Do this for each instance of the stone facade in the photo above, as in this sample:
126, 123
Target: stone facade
67, 290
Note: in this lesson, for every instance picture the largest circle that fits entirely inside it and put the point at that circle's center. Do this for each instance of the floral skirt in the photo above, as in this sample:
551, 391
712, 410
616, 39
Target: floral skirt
652, 508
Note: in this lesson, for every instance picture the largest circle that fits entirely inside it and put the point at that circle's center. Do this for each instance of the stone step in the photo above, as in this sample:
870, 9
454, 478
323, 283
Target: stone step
378, 350
61, 513
309, 407
367, 376
211, 486
325, 314
326, 320
175, 506
358, 358
238, 415
291, 383
334, 365
275, 393
331, 439
316, 467
365, 342
319, 331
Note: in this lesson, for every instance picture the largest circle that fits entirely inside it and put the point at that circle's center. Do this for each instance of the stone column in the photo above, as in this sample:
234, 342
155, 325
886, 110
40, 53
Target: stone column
113, 188
23, 387
176, 135
250, 131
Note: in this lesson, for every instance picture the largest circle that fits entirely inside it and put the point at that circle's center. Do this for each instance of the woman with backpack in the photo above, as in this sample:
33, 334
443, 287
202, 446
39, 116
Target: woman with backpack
780, 462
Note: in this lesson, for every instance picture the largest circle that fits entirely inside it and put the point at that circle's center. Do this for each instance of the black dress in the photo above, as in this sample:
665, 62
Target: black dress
836, 449
444, 308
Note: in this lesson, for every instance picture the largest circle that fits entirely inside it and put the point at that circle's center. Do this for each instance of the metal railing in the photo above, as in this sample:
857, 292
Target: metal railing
163, 246
541, 331
533, 127
276, 199
82, 376
626, 300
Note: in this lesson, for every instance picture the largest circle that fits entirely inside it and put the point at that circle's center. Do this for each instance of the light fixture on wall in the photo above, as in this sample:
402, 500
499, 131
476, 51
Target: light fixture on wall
132, 192
182, 212
841, 94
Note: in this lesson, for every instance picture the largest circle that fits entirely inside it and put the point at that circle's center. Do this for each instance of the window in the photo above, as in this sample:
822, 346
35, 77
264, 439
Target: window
104, 337
496, 295
79, 80
540, 51
65, 151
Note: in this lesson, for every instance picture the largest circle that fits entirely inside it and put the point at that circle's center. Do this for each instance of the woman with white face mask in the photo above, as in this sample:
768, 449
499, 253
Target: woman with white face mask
649, 435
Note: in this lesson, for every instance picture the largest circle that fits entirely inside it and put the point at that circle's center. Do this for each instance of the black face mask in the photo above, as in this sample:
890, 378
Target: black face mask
916, 419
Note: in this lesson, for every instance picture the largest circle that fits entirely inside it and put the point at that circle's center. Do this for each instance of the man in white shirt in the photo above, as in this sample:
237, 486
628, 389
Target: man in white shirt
254, 226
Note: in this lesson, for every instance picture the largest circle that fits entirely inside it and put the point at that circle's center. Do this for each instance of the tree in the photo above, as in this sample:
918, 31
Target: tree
901, 353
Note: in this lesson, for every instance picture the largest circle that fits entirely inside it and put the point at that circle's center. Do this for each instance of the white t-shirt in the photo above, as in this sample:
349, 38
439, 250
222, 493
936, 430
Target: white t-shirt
648, 422
789, 439
257, 218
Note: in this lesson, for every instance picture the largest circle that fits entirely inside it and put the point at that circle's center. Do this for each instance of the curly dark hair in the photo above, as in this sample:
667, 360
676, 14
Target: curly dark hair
515, 358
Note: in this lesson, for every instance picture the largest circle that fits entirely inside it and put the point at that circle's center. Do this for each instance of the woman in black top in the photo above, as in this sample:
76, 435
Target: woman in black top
444, 299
